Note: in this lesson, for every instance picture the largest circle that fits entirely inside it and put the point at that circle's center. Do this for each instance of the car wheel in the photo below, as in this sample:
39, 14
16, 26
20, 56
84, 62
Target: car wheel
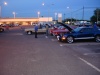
29, 32
1, 30
70, 39
97, 38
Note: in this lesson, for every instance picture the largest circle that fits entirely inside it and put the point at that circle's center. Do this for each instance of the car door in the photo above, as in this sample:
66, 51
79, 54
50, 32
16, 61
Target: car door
85, 33
89, 32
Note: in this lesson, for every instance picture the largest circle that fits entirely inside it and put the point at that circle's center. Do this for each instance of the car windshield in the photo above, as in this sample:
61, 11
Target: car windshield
61, 27
77, 29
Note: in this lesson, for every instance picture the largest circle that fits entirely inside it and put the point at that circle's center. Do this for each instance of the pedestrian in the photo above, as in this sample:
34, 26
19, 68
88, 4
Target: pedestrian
40, 26
36, 30
7, 27
47, 28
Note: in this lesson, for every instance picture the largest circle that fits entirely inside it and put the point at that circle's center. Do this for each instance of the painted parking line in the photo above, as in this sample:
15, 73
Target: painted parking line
91, 65
46, 36
79, 44
16, 34
91, 54
19, 34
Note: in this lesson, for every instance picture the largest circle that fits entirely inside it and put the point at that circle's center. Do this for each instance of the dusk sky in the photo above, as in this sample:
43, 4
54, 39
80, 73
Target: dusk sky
29, 8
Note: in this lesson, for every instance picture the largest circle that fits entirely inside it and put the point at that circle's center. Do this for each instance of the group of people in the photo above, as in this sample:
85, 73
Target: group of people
36, 30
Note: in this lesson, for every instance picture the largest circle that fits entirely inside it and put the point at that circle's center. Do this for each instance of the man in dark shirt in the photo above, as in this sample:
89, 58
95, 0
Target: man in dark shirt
36, 30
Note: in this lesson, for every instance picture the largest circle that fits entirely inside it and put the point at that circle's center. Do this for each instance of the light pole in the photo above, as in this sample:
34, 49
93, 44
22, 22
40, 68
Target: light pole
55, 16
5, 3
38, 14
83, 15
14, 14
71, 15
97, 15
0, 11
71, 18
48, 10
69, 12
64, 16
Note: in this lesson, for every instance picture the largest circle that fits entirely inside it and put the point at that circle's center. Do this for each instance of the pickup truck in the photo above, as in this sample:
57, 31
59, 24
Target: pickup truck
30, 31
81, 33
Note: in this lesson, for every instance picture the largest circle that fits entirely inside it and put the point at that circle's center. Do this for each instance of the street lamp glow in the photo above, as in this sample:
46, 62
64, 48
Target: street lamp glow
67, 7
5, 3
43, 4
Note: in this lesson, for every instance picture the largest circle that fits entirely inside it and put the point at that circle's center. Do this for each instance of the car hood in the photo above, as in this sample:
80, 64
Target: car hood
66, 26
60, 30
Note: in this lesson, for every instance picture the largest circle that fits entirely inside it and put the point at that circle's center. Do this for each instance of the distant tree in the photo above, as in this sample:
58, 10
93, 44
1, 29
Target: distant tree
96, 14
68, 19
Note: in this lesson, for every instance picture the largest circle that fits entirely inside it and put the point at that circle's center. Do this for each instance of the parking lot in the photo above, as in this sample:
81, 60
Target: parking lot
22, 54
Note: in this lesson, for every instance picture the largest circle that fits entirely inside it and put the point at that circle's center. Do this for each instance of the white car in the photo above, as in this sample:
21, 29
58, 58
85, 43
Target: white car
2, 29
30, 31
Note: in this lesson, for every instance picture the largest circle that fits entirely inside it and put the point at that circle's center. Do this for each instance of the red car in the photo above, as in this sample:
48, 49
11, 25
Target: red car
56, 27
61, 30
52, 29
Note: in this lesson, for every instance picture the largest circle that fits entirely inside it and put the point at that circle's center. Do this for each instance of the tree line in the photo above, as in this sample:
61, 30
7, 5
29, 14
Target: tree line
95, 18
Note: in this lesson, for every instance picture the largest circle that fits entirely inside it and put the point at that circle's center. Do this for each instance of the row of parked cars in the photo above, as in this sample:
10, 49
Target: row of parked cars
69, 34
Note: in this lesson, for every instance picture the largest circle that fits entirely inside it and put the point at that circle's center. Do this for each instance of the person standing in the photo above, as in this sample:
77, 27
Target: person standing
47, 28
7, 27
36, 30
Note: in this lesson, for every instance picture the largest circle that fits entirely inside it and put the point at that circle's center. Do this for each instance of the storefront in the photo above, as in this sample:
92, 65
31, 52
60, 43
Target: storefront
24, 21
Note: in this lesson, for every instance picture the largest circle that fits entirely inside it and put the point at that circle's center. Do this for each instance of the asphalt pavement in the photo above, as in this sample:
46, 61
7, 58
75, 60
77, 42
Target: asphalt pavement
22, 54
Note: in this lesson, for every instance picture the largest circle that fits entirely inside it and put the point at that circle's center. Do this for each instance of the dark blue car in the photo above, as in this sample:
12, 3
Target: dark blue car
81, 33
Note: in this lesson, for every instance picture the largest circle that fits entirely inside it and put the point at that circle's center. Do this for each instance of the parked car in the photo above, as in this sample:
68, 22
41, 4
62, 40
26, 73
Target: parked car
61, 29
30, 31
1, 29
81, 33
54, 27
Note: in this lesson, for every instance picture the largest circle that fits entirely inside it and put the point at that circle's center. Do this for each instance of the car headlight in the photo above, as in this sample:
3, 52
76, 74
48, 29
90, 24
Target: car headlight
63, 38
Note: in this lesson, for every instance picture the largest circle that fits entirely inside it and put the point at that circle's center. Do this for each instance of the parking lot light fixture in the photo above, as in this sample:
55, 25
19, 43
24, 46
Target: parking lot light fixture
67, 7
5, 3
38, 14
43, 4
55, 15
14, 14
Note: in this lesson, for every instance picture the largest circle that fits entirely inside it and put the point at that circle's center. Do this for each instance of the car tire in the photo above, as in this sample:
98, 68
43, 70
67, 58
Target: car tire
97, 38
29, 32
70, 39
1, 30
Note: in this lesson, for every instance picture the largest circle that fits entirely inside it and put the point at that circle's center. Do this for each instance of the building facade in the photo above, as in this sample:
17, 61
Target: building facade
25, 21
